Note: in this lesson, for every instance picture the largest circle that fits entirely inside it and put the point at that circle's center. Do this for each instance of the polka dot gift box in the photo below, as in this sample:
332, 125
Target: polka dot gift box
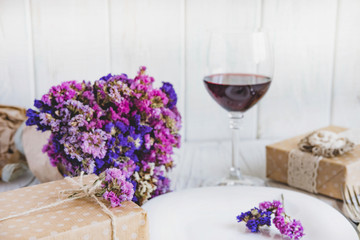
82, 218
319, 162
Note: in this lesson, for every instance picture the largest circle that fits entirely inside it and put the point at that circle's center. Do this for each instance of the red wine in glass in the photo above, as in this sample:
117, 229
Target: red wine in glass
237, 92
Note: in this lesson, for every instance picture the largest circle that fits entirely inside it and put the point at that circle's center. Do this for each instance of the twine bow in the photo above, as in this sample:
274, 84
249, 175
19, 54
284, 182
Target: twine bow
84, 191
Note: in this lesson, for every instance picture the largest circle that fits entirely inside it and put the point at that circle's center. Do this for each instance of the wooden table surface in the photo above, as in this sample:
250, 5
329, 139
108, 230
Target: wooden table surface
200, 164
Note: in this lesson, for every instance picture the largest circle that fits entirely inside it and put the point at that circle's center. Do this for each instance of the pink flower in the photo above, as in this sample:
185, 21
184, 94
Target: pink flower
117, 188
147, 141
158, 97
46, 99
94, 143
111, 196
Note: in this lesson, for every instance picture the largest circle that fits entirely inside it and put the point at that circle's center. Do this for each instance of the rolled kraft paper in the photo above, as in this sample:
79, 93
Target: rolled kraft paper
12, 171
12, 166
12, 162
39, 162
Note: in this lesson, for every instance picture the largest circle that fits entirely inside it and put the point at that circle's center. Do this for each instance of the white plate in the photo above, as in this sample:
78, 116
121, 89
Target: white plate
210, 213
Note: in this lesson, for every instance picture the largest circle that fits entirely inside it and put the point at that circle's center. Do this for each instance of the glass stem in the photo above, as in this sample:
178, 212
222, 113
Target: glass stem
235, 125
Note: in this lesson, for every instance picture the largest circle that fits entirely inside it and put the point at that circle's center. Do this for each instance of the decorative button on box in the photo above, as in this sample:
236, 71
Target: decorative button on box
331, 174
76, 219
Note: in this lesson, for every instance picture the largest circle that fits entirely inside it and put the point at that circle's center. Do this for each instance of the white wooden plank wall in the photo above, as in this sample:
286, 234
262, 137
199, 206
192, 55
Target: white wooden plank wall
149, 33
346, 85
70, 39
316, 43
300, 95
16, 69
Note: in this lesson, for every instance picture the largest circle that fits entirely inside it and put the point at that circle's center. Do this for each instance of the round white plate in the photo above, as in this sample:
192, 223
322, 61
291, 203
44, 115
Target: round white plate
210, 213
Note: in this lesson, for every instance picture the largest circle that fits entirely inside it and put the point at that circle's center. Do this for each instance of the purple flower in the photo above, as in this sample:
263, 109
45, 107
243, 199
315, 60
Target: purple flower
295, 230
158, 98
113, 198
33, 117
143, 129
113, 173
123, 128
99, 162
107, 77
265, 221
243, 216
276, 204
168, 89
117, 189
265, 205
38, 103
163, 186
279, 222
252, 225
94, 143
255, 218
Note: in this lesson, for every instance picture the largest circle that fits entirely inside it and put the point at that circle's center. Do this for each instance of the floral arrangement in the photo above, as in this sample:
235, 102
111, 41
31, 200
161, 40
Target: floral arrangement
115, 122
261, 216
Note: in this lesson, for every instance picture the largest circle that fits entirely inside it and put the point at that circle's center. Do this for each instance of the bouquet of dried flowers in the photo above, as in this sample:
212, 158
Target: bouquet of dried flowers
115, 122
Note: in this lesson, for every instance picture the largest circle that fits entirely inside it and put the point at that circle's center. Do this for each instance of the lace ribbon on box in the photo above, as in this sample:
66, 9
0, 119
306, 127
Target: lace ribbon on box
302, 170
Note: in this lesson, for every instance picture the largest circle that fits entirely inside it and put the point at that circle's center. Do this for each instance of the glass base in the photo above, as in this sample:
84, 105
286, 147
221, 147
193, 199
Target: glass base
235, 178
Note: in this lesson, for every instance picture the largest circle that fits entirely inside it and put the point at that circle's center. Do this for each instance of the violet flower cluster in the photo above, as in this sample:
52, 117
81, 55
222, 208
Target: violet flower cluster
261, 216
114, 187
114, 122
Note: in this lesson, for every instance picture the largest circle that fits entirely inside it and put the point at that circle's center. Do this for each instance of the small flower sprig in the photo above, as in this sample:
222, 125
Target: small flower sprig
257, 217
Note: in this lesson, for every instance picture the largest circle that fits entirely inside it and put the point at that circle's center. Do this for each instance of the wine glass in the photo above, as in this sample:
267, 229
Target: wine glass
239, 74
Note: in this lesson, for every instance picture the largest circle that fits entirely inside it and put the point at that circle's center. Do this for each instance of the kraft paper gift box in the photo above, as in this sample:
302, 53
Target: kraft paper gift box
76, 219
331, 174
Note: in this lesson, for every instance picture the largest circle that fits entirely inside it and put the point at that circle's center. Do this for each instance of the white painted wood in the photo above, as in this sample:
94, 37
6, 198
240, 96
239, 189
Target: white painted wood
16, 85
202, 164
346, 91
204, 118
70, 41
85, 39
303, 34
149, 33
207, 162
